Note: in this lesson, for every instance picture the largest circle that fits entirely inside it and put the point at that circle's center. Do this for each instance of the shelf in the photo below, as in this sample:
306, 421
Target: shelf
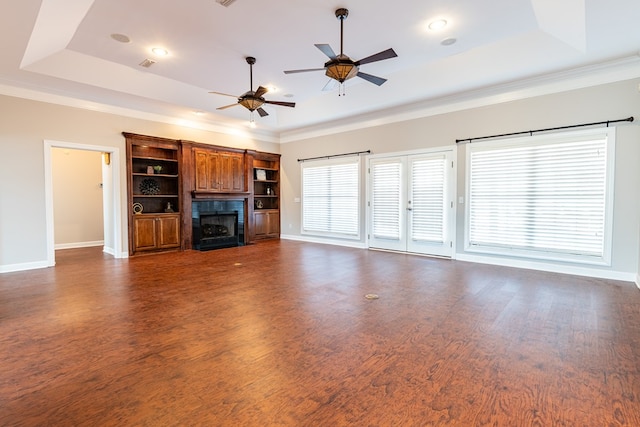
155, 195
273, 196
150, 214
160, 175
266, 180
155, 159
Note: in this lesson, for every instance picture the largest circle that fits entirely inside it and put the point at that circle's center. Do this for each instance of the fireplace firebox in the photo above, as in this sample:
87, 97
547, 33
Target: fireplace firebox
217, 230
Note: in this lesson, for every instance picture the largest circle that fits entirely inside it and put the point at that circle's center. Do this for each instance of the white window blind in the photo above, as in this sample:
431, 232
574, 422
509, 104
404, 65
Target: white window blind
331, 197
427, 198
386, 200
543, 197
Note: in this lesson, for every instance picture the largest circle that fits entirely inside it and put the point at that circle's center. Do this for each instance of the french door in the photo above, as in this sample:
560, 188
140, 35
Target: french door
411, 205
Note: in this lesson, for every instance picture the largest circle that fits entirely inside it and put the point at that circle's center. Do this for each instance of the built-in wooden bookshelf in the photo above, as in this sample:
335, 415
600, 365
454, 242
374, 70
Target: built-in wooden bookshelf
153, 174
266, 195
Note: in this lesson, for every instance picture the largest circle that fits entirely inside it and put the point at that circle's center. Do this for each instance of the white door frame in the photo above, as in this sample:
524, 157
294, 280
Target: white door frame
451, 190
111, 187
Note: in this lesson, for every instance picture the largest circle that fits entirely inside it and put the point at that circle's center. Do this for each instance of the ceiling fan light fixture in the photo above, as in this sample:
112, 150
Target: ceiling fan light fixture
341, 71
251, 104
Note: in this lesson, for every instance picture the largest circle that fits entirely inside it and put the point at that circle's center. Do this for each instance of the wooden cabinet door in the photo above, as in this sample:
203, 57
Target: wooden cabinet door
273, 223
207, 170
168, 231
231, 172
156, 232
266, 224
213, 171
219, 171
260, 224
201, 170
144, 233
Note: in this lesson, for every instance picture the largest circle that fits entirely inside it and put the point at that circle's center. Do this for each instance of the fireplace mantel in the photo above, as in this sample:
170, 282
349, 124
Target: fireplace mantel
212, 195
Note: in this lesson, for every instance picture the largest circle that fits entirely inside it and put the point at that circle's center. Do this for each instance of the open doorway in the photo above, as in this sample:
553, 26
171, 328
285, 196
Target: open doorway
112, 224
78, 208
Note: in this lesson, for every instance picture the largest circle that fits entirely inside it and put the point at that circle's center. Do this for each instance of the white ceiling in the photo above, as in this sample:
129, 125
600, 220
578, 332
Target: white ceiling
64, 48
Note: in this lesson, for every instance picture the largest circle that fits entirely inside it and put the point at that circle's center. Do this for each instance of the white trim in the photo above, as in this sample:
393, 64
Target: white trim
549, 138
620, 69
552, 268
114, 182
239, 130
79, 245
638, 280
10, 268
450, 192
325, 241
592, 75
333, 161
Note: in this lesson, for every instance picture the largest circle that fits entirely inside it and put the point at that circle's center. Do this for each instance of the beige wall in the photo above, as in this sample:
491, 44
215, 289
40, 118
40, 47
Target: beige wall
25, 125
77, 197
606, 102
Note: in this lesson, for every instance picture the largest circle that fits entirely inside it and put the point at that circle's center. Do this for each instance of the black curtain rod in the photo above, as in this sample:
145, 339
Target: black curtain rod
335, 155
531, 132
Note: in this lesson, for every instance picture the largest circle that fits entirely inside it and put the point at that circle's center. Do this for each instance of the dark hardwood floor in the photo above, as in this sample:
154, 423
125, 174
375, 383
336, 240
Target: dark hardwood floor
281, 334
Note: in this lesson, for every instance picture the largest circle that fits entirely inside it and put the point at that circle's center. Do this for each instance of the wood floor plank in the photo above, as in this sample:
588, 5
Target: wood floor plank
281, 334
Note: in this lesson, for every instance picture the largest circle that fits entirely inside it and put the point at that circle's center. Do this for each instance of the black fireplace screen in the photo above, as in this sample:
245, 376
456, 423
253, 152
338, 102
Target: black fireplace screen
216, 230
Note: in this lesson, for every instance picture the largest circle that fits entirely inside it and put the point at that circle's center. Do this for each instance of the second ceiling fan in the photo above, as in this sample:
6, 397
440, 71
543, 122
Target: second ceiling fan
341, 67
253, 100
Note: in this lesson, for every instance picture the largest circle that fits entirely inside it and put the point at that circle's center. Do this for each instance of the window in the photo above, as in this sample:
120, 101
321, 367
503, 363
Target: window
542, 197
331, 197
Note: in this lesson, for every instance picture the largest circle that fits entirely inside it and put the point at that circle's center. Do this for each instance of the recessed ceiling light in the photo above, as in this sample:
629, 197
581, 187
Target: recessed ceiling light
448, 42
199, 113
438, 24
272, 88
160, 51
122, 38
288, 95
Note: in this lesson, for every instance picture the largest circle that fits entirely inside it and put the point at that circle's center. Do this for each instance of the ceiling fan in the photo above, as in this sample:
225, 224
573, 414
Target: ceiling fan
253, 100
341, 67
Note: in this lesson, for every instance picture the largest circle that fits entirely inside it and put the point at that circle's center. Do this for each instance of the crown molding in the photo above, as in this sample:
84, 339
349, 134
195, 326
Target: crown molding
592, 75
68, 101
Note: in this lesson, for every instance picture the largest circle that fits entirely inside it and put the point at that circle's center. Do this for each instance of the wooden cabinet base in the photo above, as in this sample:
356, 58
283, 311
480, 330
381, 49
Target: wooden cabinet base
266, 224
156, 232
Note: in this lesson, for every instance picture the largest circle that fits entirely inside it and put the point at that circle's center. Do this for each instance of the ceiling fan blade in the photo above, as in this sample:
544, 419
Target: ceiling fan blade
283, 104
326, 49
262, 112
331, 85
261, 91
385, 54
303, 71
373, 79
223, 94
227, 106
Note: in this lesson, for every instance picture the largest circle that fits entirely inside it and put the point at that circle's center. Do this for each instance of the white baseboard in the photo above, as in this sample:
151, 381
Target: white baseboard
9, 268
327, 241
598, 273
79, 245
